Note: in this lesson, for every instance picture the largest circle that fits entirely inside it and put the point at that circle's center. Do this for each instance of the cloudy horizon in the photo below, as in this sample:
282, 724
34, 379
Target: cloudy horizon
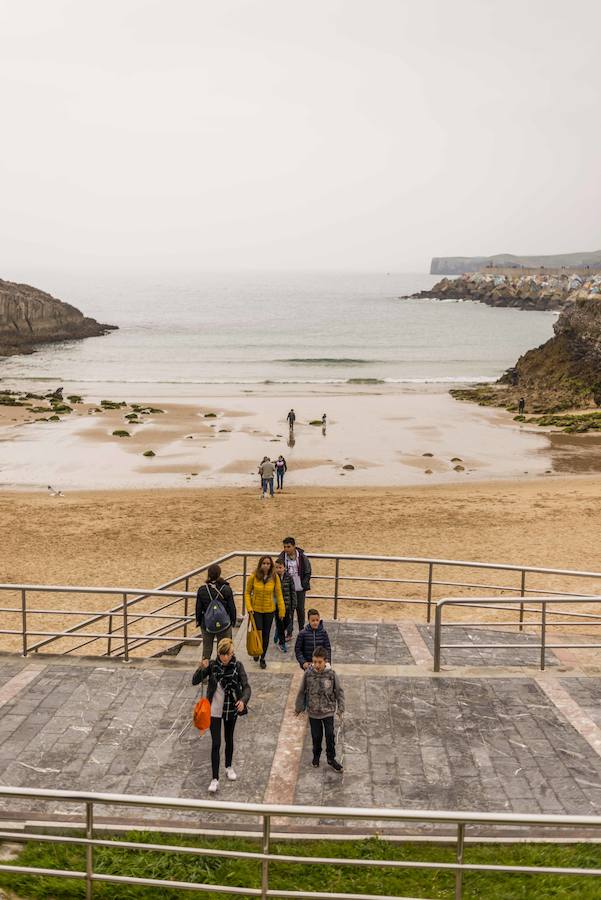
260, 135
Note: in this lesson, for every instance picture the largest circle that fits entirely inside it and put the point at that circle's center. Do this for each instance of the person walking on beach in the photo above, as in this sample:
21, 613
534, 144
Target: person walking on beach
312, 636
521, 406
266, 470
215, 610
228, 693
289, 595
263, 596
291, 417
322, 695
281, 467
297, 564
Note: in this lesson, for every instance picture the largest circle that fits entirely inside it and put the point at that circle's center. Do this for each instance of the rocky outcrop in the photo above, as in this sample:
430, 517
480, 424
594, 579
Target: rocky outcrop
542, 291
29, 316
564, 373
456, 265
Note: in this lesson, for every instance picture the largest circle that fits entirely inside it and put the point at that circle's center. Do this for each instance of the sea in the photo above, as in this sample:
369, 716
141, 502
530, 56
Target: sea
182, 331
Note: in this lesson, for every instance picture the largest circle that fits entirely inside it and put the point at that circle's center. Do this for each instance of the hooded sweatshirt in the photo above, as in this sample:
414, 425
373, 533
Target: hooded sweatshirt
321, 693
307, 641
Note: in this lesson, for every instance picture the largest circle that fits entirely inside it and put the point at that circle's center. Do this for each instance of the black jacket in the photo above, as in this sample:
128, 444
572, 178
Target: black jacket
288, 593
242, 686
304, 567
308, 640
203, 598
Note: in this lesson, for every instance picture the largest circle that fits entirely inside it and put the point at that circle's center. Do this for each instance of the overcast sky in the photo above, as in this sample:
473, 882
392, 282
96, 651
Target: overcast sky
339, 134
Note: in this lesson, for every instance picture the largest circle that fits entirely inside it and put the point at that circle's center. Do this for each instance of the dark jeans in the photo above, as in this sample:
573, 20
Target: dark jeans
300, 609
208, 638
318, 727
228, 731
267, 482
264, 621
279, 477
281, 627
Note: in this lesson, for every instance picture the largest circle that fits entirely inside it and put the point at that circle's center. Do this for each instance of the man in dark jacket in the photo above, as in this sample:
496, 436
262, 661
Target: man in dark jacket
298, 566
312, 636
215, 589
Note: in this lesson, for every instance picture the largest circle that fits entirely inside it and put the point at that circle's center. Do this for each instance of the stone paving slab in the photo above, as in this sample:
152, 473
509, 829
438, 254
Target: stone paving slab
587, 694
474, 656
484, 745
470, 743
360, 643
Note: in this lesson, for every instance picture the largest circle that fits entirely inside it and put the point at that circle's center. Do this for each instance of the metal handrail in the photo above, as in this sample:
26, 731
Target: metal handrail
509, 604
120, 616
266, 812
185, 578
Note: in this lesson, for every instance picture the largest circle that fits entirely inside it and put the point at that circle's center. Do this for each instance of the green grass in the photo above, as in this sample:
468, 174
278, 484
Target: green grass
353, 879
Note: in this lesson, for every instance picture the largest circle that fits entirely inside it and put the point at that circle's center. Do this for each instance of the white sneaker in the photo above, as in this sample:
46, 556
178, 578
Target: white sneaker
230, 773
214, 786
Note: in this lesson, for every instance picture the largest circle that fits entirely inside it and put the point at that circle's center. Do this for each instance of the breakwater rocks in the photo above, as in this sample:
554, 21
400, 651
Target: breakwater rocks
540, 291
29, 316
562, 374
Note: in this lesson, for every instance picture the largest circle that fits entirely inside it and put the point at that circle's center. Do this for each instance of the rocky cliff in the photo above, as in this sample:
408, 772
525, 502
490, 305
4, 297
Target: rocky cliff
564, 373
541, 291
455, 265
29, 316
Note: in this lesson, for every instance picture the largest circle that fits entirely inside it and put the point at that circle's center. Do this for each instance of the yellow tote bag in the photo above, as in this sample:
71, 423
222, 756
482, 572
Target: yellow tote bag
254, 639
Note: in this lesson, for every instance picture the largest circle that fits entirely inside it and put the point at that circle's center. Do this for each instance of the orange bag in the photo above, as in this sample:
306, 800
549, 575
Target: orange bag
202, 713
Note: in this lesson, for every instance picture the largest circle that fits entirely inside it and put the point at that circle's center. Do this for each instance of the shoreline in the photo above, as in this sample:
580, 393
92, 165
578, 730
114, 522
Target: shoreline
390, 436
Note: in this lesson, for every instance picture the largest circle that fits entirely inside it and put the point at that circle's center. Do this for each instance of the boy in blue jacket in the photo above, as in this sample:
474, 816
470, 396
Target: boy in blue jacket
312, 636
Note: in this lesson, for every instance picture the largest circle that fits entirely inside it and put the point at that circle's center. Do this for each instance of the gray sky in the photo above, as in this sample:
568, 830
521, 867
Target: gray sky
339, 134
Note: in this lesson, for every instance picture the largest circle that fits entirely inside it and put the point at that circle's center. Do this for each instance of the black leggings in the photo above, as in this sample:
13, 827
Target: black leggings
228, 730
264, 621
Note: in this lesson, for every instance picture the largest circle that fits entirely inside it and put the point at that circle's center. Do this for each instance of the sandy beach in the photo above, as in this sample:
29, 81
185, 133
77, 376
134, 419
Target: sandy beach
144, 538
390, 436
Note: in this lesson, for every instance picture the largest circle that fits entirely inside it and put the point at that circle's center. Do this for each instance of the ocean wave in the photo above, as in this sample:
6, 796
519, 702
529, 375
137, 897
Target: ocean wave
329, 360
431, 379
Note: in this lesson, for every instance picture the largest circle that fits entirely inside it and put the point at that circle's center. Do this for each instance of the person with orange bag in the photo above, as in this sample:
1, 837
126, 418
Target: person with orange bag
228, 693
264, 598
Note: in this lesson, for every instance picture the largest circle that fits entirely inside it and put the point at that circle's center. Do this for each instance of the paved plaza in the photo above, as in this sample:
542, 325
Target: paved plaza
503, 738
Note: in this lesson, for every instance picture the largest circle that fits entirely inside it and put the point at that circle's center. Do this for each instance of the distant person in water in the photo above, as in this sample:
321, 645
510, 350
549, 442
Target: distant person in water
281, 468
291, 417
521, 406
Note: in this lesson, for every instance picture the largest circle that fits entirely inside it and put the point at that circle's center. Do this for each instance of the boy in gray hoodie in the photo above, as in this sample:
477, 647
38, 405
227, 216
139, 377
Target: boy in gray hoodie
321, 694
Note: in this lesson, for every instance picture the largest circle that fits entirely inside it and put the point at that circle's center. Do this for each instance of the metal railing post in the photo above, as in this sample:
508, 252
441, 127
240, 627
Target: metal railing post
522, 594
336, 586
265, 863
543, 634
437, 636
244, 577
24, 620
109, 642
186, 588
459, 860
429, 610
125, 635
89, 849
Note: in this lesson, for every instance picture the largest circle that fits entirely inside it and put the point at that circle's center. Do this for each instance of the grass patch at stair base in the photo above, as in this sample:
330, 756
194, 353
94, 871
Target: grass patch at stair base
331, 878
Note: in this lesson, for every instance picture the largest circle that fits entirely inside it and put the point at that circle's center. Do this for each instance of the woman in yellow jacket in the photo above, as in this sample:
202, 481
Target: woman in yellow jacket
264, 598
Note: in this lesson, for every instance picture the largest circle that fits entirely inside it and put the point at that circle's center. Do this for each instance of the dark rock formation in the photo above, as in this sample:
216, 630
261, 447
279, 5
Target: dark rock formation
564, 373
540, 292
456, 265
29, 317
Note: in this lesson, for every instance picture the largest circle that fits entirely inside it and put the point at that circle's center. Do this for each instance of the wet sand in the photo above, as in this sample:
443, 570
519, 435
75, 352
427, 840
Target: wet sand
391, 437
